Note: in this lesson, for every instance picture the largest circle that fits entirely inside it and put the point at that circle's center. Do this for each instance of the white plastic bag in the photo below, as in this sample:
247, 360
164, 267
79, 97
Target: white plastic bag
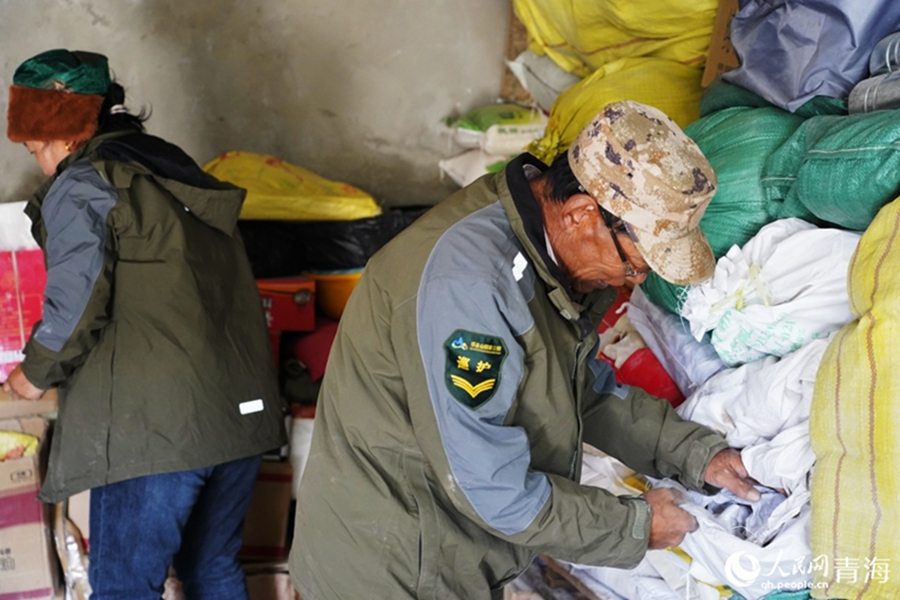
753, 403
784, 462
465, 168
753, 571
15, 227
620, 341
662, 575
689, 362
500, 128
763, 407
785, 287
543, 78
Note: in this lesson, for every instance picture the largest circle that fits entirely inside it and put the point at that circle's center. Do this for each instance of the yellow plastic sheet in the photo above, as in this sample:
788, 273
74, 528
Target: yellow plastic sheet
278, 190
854, 425
15, 444
583, 35
672, 87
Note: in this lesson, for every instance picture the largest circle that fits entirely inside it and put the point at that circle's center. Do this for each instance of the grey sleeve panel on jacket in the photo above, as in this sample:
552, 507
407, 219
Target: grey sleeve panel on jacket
471, 285
74, 212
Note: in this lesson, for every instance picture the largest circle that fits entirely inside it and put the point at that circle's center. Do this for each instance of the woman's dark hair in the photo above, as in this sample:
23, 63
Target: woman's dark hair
560, 180
108, 122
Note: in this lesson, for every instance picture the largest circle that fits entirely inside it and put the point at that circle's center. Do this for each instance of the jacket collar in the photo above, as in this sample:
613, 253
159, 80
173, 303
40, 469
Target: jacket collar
37, 199
524, 214
216, 203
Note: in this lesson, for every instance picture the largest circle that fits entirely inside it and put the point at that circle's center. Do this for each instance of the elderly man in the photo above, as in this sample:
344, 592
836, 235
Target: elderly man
464, 379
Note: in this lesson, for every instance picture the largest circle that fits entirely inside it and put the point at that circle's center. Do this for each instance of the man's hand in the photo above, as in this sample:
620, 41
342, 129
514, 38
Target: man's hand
726, 470
669, 522
19, 388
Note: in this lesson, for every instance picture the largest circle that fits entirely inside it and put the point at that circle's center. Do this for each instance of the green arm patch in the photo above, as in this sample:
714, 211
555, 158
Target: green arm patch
472, 371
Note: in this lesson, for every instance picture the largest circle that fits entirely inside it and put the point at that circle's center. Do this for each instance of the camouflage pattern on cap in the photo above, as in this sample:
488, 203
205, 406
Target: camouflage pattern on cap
638, 164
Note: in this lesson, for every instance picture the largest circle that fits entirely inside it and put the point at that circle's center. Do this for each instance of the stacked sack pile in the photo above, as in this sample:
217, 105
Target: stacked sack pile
787, 349
583, 55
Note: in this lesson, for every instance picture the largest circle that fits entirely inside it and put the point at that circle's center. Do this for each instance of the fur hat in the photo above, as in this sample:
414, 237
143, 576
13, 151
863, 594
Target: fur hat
57, 95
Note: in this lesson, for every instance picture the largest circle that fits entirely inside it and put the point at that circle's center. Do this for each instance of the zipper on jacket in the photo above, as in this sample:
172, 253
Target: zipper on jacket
579, 348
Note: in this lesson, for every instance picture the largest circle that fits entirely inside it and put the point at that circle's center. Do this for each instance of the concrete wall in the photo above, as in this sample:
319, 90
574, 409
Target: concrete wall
354, 90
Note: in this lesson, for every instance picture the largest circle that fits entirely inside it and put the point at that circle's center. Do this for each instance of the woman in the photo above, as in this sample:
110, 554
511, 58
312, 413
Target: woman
152, 330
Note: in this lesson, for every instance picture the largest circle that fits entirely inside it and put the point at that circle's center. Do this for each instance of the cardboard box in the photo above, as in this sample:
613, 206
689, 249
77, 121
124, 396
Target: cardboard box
289, 303
269, 581
268, 518
11, 409
721, 56
22, 281
265, 581
29, 567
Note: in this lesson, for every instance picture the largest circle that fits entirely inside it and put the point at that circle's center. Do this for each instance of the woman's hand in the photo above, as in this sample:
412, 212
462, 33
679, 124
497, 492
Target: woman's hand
19, 388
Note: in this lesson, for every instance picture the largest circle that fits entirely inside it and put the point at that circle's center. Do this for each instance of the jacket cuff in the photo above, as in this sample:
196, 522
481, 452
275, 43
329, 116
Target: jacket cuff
41, 367
700, 454
636, 538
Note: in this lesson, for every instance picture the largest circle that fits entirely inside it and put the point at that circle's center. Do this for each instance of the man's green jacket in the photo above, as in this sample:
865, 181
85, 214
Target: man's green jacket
448, 437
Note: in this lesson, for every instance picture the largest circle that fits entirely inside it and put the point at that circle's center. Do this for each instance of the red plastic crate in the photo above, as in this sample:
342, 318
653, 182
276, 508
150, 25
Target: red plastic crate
289, 303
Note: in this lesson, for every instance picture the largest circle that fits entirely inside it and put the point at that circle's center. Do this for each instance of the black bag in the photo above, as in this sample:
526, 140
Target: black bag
288, 248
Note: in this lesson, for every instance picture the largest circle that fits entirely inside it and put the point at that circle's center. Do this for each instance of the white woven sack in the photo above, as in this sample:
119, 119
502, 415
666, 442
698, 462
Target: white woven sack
785, 287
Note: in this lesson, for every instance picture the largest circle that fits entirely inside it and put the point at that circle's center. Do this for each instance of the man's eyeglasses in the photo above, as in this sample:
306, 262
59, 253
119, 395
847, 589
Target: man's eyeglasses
616, 226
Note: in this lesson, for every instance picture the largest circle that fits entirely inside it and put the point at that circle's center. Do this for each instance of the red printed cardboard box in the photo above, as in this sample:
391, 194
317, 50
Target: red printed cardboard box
29, 567
22, 281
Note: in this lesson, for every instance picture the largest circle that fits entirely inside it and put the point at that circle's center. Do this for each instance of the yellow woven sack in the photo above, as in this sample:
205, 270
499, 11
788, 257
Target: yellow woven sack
278, 190
855, 430
672, 87
583, 35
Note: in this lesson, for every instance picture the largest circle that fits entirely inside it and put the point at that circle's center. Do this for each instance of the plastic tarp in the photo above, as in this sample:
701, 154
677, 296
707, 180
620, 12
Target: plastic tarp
793, 50
854, 422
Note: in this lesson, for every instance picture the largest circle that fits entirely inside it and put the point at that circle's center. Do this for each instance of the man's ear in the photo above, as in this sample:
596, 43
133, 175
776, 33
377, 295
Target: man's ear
580, 210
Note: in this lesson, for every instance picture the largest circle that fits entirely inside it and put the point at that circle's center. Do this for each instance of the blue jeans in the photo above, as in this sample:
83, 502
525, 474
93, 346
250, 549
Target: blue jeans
192, 520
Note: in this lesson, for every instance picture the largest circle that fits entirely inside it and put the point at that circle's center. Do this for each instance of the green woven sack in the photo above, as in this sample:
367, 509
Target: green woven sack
719, 95
736, 141
841, 169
